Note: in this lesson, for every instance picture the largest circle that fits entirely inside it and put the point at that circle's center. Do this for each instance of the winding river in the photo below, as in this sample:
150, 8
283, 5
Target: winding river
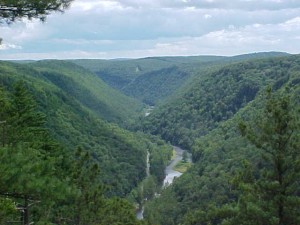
170, 174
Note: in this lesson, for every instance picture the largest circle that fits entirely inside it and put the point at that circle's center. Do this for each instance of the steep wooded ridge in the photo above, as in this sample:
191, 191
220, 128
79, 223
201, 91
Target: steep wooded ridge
71, 135
91, 92
215, 96
243, 174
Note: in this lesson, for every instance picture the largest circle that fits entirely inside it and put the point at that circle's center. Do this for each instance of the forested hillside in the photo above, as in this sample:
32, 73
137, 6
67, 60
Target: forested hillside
149, 80
120, 72
61, 155
246, 151
91, 92
173, 138
153, 80
214, 96
58, 151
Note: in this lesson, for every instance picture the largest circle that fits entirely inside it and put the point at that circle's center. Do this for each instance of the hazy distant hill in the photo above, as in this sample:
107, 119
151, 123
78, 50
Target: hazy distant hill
154, 79
148, 79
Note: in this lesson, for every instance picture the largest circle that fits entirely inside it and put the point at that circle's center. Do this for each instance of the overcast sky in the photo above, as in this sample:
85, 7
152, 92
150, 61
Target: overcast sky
141, 28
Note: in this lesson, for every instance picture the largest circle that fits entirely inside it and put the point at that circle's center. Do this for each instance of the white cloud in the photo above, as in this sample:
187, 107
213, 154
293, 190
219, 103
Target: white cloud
7, 46
251, 38
138, 28
96, 5
55, 55
204, 4
83, 42
207, 16
24, 31
291, 25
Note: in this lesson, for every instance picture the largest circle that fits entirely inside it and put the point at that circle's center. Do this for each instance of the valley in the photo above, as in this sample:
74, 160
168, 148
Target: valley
102, 135
117, 112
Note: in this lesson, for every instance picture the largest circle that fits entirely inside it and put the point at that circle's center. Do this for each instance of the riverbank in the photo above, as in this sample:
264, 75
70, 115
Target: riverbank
170, 172
182, 167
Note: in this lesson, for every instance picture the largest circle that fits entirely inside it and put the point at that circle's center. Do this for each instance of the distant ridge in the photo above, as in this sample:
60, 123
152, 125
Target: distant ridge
257, 55
154, 79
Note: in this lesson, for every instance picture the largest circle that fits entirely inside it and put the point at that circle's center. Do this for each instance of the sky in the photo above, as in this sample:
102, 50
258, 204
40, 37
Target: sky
109, 29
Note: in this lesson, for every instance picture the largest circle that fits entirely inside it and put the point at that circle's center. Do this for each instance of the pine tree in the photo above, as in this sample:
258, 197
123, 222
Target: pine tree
10, 10
89, 197
26, 122
270, 191
28, 171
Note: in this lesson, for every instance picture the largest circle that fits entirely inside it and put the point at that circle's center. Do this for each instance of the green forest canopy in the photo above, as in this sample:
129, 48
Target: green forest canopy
234, 177
58, 154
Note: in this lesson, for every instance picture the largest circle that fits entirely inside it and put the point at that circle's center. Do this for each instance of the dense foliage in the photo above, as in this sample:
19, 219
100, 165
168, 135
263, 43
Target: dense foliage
215, 96
153, 80
270, 187
53, 147
236, 180
156, 86
150, 80
63, 162
90, 91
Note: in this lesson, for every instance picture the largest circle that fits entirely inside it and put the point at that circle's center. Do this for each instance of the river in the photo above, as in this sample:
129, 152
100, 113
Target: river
170, 174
